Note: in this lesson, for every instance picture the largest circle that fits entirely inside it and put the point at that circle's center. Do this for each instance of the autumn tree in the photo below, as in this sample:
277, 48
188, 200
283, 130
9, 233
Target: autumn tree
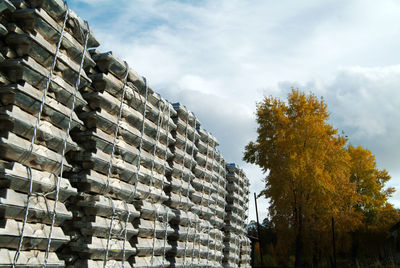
306, 166
372, 196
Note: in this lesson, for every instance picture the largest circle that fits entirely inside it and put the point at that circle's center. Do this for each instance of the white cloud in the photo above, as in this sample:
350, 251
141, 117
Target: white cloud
364, 104
220, 57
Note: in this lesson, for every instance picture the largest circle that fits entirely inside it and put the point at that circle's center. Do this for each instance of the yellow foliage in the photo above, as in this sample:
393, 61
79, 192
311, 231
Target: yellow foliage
370, 192
311, 175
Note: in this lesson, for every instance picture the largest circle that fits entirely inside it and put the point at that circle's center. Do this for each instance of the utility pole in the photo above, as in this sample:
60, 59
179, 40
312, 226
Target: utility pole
258, 230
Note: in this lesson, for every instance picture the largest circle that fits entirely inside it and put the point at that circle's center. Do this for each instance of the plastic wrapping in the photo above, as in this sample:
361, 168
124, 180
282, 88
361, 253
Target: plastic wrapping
142, 183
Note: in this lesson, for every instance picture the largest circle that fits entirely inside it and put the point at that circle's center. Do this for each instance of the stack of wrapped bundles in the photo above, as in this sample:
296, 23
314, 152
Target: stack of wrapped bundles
180, 187
96, 169
126, 148
231, 257
218, 207
43, 57
152, 240
245, 252
183, 250
183, 162
203, 244
236, 218
152, 246
154, 227
202, 197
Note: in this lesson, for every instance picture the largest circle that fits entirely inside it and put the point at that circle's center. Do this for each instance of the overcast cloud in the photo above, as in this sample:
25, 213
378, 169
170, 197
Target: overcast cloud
220, 57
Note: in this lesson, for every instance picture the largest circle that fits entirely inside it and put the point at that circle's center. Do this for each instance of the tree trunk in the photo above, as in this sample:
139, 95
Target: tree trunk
316, 252
299, 247
354, 246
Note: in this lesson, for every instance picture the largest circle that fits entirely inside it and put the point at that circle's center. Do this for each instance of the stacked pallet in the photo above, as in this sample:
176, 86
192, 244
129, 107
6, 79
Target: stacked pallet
181, 240
125, 156
152, 240
96, 169
245, 252
203, 197
180, 187
218, 207
43, 52
154, 227
183, 160
236, 218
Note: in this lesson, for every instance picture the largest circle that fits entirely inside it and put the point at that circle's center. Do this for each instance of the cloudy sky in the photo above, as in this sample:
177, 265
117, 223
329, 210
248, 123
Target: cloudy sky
219, 57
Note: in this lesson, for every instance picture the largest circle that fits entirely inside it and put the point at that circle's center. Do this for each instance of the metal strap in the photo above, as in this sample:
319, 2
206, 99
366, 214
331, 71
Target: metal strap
191, 158
200, 240
204, 178
224, 215
224, 186
237, 247
159, 123
208, 243
141, 137
241, 213
77, 83
165, 238
203, 230
154, 235
28, 154
211, 179
197, 226
109, 232
218, 183
110, 163
222, 240
166, 147
215, 246
186, 241
183, 160
125, 232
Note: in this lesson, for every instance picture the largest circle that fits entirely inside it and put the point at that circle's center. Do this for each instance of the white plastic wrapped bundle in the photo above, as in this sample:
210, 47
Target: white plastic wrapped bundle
220, 193
102, 227
182, 244
203, 183
140, 183
202, 245
96, 248
152, 239
237, 199
146, 262
151, 228
231, 251
37, 116
146, 247
29, 258
100, 264
245, 252
180, 189
136, 118
183, 247
183, 161
145, 166
126, 149
236, 250
217, 248
35, 236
